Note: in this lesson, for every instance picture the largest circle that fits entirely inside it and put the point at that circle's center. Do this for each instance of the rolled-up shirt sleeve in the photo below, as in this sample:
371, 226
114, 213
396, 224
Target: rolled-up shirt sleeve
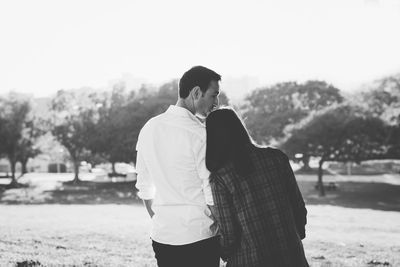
204, 173
144, 183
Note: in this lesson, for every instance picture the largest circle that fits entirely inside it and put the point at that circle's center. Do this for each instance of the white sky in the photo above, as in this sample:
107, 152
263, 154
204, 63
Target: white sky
47, 45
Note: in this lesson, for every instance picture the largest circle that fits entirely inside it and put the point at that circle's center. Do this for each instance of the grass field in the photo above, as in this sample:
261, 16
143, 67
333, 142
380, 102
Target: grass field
104, 224
116, 235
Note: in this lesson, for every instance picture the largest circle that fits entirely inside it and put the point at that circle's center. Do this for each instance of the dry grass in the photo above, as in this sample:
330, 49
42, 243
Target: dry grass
117, 235
84, 226
80, 235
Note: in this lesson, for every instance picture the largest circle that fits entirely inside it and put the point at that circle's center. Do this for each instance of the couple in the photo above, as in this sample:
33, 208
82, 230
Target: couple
211, 192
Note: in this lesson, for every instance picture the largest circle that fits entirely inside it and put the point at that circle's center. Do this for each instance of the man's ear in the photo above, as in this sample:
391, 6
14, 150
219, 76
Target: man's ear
196, 92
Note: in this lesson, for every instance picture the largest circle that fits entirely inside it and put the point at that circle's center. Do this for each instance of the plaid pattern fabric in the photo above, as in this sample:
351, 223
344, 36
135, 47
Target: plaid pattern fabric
261, 216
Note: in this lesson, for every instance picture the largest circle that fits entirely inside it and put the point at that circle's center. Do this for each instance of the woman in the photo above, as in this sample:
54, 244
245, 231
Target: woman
257, 204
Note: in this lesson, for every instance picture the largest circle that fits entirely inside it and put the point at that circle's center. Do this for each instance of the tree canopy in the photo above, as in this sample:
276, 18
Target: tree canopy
269, 110
341, 132
14, 125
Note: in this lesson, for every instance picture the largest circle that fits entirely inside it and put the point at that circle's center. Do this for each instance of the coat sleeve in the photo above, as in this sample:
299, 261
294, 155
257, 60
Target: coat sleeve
296, 199
224, 213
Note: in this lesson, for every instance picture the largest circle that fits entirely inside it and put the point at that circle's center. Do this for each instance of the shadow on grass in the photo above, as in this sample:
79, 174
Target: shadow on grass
12, 185
28, 263
95, 193
98, 193
354, 171
85, 192
378, 196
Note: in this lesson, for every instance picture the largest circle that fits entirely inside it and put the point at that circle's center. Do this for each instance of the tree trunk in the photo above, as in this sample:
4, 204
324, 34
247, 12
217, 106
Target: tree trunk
306, 163
24, 163
13, 162
320, 183
349, 167
113, 168
76, 171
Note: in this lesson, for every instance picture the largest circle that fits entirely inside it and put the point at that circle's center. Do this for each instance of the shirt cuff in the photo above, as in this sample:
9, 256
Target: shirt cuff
146, 194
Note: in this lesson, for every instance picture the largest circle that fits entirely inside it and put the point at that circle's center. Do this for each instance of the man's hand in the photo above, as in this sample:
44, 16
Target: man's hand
210, 213
148, 203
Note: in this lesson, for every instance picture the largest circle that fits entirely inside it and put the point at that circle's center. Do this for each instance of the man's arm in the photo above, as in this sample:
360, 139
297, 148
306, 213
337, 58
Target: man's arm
199, 151
148, 203
144, 184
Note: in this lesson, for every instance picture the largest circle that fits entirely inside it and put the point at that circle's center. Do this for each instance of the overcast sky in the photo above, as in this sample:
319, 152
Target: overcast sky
47, 45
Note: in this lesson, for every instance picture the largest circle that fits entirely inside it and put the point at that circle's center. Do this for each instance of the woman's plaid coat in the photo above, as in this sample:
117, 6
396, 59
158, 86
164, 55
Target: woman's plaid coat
261, 216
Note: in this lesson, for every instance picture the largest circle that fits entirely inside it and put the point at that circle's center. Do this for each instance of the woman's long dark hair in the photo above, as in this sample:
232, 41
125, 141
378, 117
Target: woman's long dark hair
227, 141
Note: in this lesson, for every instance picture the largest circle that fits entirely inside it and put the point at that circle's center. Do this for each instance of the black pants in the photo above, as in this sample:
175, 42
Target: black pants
204, 253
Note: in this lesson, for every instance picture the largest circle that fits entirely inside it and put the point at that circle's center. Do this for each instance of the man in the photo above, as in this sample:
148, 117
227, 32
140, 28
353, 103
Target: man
173, 178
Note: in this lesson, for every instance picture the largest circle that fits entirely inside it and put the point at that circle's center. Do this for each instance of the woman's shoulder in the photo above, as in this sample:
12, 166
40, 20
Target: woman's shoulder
268, 151
257, 152
270, 155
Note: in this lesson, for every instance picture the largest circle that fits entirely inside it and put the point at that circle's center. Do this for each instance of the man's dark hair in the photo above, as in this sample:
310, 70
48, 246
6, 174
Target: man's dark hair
197, 76
227, 141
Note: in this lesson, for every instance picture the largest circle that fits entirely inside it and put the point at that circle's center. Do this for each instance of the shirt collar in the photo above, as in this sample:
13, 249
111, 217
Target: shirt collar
183, 112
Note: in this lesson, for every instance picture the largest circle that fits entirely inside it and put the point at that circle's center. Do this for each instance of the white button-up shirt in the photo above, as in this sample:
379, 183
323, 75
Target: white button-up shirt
172, 171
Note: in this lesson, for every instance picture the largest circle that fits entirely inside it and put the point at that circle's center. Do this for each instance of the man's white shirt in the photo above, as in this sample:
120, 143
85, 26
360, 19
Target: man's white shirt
172, 171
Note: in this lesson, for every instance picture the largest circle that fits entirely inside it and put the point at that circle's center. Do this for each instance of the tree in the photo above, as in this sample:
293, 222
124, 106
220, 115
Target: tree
338, 133
13, 114
383, 100
145, 106
393, 142
110, 128
73, 125
121, 115
27, 144
3, 132
269, 110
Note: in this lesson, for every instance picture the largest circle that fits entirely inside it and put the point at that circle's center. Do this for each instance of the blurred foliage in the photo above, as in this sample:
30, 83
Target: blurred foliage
383, 99
18, 131
122, 115
27, 147
342, 132
269, 110
72, 124
310, 118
